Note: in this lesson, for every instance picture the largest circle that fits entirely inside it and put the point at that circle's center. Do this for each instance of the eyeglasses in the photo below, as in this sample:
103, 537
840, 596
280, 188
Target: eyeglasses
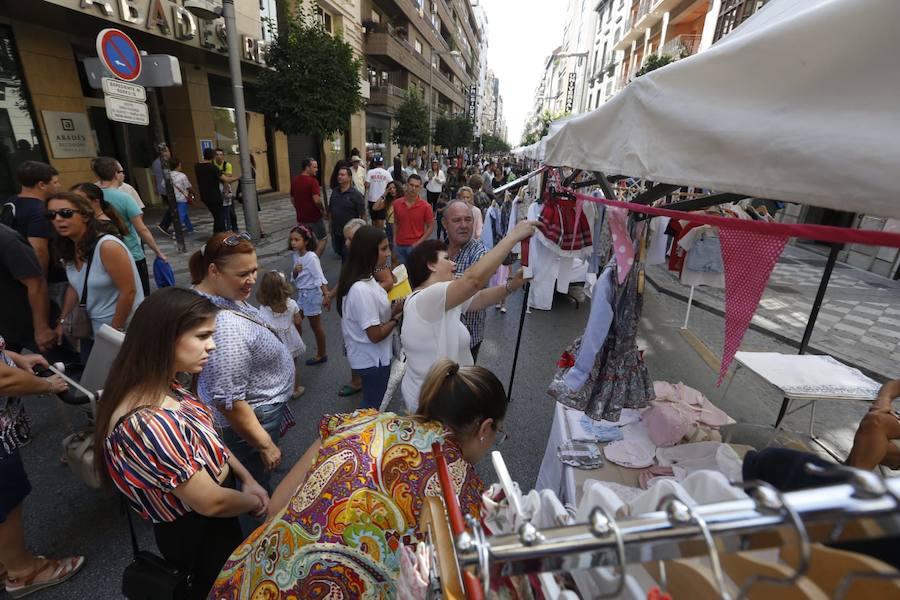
65, 213
502, 436
231, 241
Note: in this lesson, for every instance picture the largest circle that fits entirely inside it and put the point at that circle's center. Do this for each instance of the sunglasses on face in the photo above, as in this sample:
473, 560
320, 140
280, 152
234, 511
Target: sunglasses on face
65, 213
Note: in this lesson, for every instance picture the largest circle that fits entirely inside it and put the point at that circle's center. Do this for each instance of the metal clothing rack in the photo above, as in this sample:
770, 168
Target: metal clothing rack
867, 506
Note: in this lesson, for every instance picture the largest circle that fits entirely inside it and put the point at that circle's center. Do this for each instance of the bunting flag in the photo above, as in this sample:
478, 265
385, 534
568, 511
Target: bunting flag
749, 258
623, 248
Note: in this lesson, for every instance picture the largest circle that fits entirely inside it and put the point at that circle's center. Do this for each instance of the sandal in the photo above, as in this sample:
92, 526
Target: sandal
349, 390
298, 391
316, 361
61, 569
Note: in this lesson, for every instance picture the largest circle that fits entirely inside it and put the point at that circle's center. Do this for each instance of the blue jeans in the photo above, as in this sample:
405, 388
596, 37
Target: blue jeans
185, 218
270, 417
402, 253
374, 385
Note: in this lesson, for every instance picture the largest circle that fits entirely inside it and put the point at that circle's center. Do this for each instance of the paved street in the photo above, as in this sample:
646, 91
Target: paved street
64, 516
859, 322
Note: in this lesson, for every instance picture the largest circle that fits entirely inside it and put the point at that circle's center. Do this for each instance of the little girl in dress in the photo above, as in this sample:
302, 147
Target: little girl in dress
282, 314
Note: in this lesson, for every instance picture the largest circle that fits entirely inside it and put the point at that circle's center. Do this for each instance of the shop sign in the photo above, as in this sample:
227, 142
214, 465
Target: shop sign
126, 111
473, 100
570, 92
204, 144
69, 134
171, 20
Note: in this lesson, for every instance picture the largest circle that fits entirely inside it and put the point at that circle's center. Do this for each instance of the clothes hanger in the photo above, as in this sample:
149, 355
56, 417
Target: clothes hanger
830, 568
510, 489
602, 524
753, 570
435, 528
680, 514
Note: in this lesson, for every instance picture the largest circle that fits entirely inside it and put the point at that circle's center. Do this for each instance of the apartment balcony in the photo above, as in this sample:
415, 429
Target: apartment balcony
386, 96
400, 54
681, 46
647, 14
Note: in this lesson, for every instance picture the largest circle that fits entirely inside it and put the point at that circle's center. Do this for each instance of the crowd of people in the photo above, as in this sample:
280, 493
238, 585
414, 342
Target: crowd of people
192, 417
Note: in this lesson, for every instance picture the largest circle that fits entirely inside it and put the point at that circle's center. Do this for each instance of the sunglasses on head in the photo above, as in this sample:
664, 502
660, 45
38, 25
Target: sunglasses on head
65, 213
231, 241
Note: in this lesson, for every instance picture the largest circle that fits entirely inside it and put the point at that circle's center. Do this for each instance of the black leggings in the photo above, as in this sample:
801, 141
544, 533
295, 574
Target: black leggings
200, 544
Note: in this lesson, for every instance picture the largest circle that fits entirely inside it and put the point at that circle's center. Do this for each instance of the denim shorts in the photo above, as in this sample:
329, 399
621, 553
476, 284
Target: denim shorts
310, 301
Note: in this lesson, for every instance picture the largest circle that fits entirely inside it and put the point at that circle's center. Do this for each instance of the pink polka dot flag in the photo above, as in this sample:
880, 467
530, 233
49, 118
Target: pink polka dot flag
749, 258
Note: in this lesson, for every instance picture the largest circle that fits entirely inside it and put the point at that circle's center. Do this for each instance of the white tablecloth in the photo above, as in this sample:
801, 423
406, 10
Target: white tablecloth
810, 376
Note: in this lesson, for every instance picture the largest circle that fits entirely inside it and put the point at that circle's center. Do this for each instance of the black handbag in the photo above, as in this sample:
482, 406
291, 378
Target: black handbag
151, 577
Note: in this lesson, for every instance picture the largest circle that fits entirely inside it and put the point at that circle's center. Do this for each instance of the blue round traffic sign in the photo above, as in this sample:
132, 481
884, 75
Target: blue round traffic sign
119, 54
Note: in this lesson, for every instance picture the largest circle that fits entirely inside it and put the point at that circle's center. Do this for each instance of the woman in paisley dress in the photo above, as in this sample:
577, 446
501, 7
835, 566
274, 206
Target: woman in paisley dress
341, 516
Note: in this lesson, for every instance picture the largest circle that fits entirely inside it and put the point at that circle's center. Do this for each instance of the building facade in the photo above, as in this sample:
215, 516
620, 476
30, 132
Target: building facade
429, 46
50, 111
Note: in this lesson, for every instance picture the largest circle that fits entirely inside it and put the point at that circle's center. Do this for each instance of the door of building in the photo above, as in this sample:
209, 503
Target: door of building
259, 149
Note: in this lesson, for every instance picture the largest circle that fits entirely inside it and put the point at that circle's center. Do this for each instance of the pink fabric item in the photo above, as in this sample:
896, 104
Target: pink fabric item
822, 233
749, 259
646, 476
623, 248
666, 424
695, 404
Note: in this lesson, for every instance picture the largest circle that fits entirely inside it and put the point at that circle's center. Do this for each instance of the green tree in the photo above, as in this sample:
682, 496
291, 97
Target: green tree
654, 62
453, 132
312, 85
412, 121
539, 127
491, 143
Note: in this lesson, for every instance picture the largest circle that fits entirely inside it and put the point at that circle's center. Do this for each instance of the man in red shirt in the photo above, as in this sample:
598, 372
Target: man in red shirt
306, 195
413, 219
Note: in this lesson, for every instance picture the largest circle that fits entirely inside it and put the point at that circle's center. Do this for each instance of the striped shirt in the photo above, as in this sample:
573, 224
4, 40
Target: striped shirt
153, 450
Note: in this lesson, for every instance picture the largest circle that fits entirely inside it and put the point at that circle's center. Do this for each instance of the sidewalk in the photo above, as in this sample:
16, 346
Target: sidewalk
859, 323
277, 217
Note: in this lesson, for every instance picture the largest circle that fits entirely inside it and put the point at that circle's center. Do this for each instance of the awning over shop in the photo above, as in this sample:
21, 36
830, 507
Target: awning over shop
800, 103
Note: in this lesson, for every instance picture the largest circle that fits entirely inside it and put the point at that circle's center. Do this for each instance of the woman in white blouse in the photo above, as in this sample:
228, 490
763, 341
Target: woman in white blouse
367, 318
432, 328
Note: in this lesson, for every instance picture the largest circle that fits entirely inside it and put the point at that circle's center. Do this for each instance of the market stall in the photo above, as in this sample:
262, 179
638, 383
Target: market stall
760, 115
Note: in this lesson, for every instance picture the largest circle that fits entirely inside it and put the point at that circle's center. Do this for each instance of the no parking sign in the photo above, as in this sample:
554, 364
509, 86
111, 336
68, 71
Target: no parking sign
119, 54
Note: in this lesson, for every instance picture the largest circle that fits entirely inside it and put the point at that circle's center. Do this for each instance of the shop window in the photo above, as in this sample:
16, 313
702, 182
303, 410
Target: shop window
20, 139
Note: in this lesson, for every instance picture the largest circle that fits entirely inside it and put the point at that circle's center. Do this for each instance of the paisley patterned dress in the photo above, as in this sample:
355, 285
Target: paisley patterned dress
340, 535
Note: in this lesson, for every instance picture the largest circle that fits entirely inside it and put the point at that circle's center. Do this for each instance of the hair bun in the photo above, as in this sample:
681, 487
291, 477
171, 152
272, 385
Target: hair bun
452, 369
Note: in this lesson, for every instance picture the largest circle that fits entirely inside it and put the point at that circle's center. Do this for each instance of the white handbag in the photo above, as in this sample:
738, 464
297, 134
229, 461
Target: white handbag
80, 455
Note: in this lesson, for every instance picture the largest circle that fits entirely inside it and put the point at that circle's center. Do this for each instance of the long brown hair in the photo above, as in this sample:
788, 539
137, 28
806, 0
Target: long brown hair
142, 371
66, 248
461, 397
362, 260
216, 251
94, 193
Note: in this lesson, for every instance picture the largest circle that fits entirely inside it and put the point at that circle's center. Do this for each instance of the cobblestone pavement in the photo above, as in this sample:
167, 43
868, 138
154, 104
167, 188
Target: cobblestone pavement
276, 216
859, 322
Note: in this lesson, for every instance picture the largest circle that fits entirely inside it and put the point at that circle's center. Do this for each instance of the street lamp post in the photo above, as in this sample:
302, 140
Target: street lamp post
431, 95
206, 9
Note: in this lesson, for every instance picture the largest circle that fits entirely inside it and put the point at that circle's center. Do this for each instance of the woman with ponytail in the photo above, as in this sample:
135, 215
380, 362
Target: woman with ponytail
342, 514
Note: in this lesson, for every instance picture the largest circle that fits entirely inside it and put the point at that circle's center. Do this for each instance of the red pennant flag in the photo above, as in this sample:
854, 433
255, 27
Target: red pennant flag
749, 258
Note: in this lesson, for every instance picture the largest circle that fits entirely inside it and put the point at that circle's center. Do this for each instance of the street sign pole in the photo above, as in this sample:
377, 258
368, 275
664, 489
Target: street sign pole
160, 135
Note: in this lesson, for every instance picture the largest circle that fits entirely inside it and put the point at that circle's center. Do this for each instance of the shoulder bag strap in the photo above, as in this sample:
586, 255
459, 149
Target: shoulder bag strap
252, 320
134, 543
87, 271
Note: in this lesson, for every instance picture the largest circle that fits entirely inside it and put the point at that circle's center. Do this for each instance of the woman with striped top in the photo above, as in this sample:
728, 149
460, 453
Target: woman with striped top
161, 449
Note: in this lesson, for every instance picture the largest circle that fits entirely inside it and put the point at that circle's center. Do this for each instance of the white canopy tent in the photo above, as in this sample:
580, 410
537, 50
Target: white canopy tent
800, 103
